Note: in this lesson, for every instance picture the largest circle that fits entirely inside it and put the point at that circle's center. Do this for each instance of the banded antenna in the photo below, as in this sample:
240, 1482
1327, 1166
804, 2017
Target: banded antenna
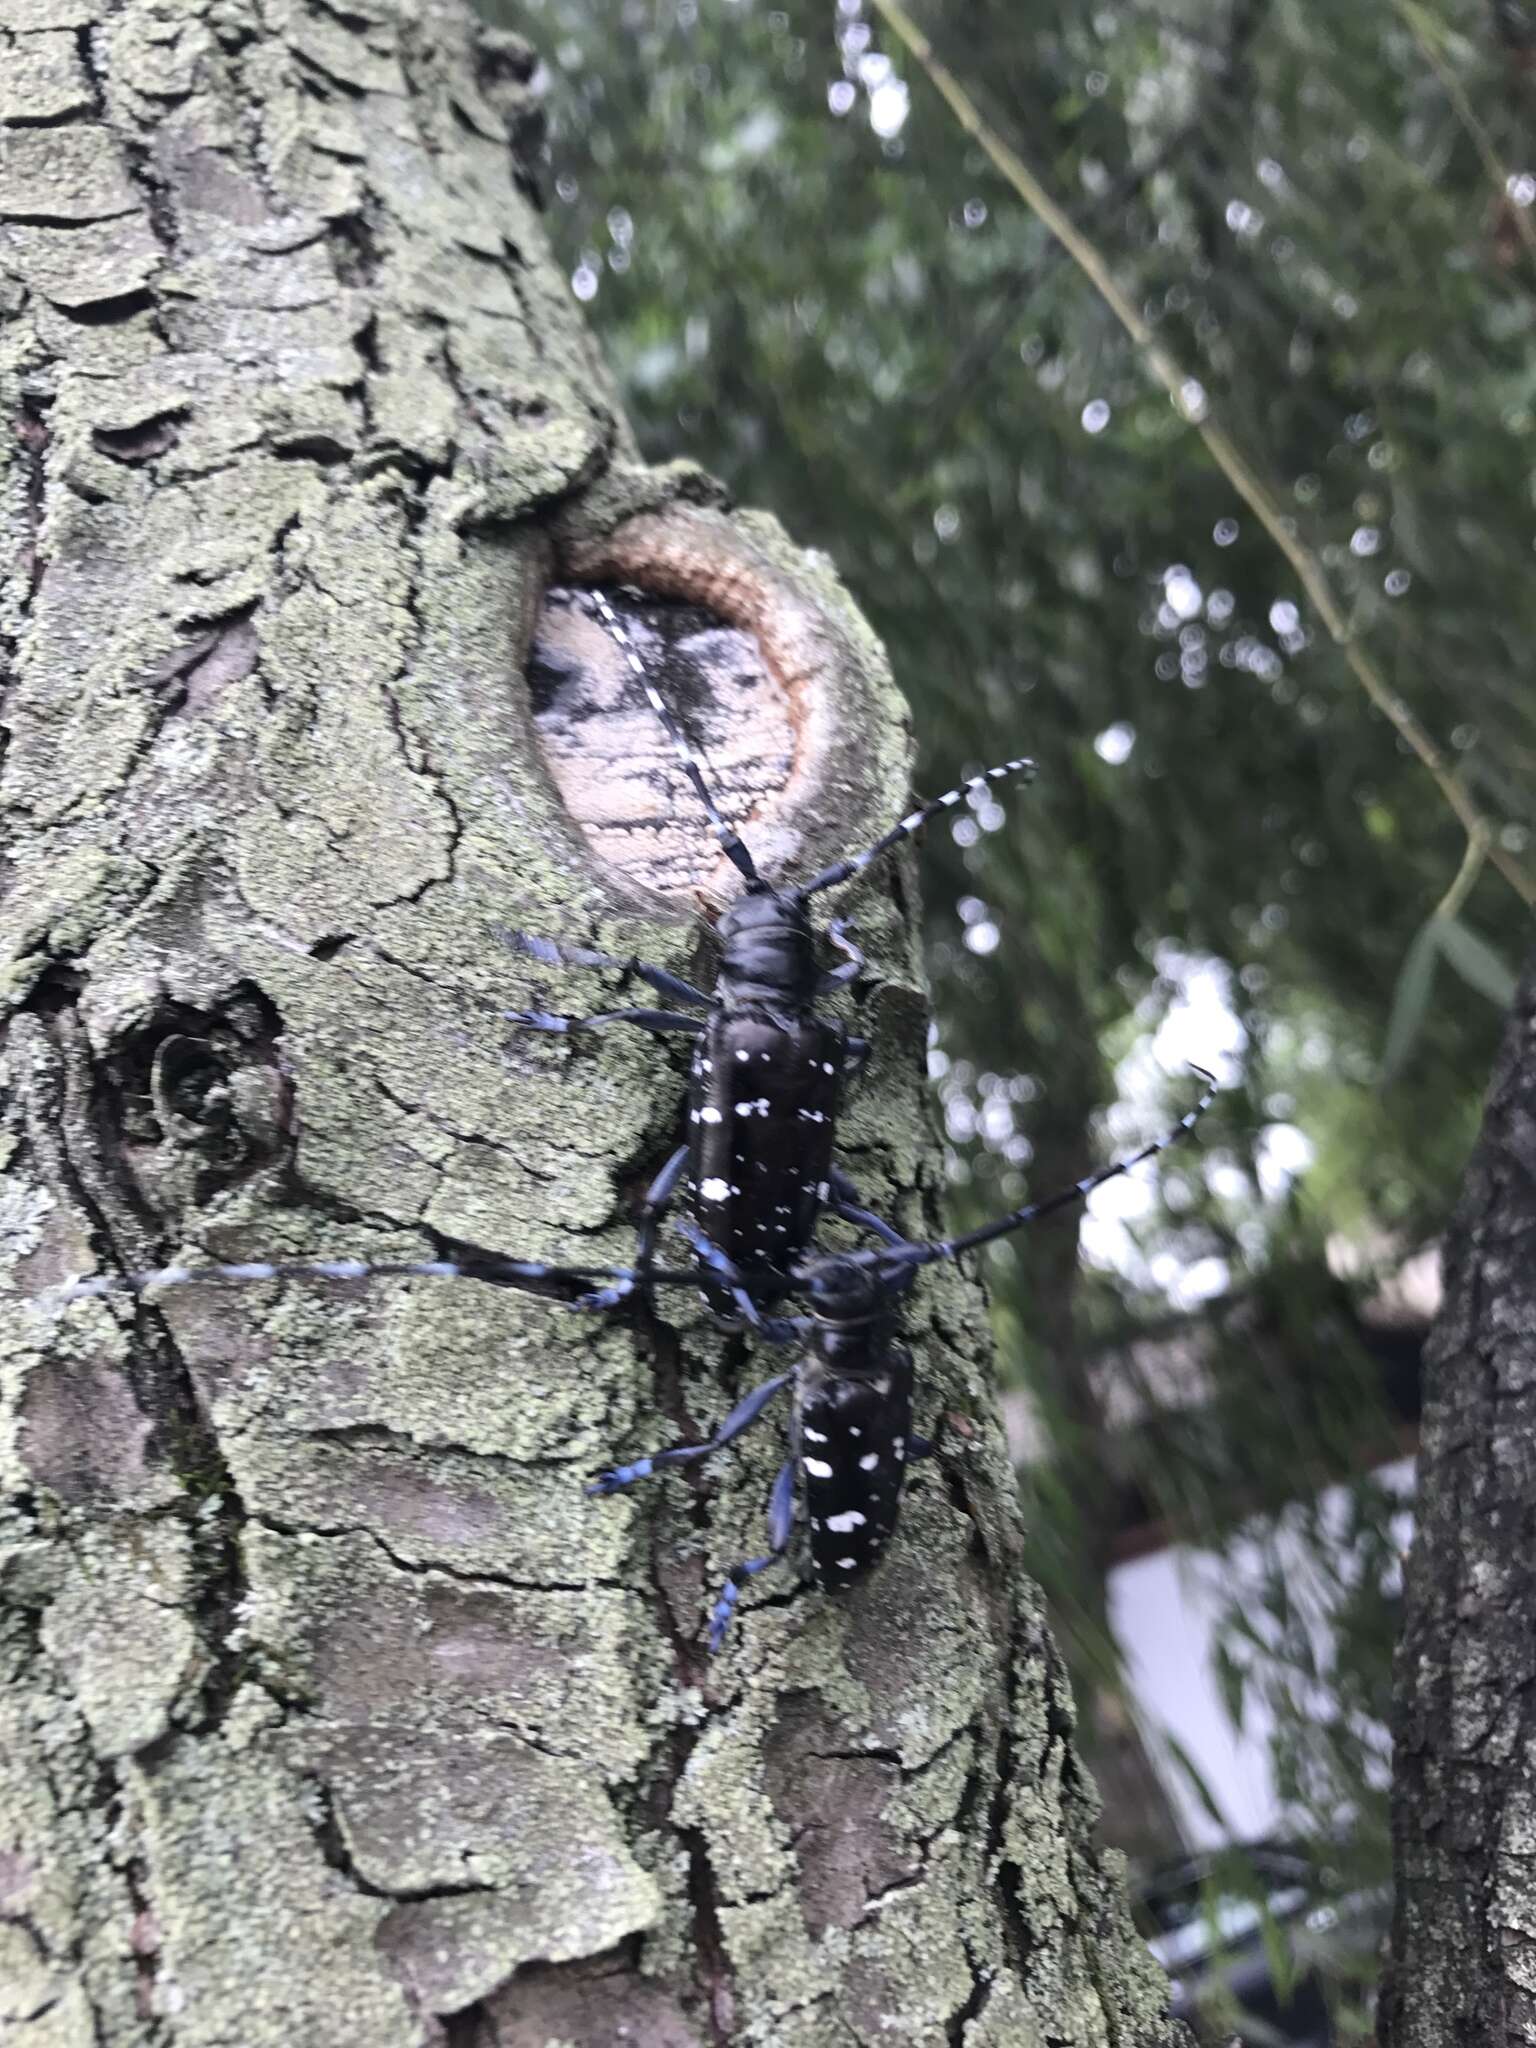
904, 1257
855, 864
731, 842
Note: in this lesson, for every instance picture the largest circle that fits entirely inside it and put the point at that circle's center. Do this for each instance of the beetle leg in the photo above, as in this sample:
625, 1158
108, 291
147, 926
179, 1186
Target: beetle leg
781, 1523
853, 966
740, 1419
557, 955
646, 1020
657, 1196
772, 1329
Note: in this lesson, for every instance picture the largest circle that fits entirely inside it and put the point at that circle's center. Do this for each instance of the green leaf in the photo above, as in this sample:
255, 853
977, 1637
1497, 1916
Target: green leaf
1232, 1677
1197, 1781
1410, 1000
1477, 963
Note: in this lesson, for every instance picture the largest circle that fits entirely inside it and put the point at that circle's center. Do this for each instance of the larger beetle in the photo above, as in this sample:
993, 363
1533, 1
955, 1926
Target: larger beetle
768, 1068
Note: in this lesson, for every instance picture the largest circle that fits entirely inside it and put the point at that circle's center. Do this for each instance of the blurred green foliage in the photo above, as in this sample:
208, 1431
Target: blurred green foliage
805, 276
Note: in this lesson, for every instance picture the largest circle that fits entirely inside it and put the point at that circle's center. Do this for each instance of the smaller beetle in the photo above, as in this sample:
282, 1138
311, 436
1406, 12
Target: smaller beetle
850, 1431
851, 1427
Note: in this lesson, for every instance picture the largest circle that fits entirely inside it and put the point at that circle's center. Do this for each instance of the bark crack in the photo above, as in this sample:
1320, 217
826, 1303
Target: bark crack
480, 1575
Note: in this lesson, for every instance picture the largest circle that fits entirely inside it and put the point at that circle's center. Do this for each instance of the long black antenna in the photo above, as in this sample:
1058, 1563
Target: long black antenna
492, 1268
731, 843
951, 1247
914, 821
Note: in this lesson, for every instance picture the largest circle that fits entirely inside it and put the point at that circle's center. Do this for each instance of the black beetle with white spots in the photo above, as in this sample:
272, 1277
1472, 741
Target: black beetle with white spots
768, 1069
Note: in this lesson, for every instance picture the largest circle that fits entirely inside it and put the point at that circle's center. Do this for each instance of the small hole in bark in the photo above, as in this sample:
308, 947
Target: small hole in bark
355, 253
57, 989
613, 763
189, 1085
313, 447
110, 312
195, 1099
139, 443
501, 55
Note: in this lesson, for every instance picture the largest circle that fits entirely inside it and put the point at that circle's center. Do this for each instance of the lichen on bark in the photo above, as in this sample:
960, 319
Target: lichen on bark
332, 1712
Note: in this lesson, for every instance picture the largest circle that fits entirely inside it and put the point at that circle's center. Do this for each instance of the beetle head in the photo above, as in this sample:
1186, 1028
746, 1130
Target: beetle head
768, 949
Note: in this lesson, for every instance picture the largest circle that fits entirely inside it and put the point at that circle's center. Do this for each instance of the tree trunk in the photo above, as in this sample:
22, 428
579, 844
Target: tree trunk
1464, 1793
333, 1712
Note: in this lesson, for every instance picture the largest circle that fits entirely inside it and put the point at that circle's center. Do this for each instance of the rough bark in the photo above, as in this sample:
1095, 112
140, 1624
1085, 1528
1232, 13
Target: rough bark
332, 1712
1464, 1793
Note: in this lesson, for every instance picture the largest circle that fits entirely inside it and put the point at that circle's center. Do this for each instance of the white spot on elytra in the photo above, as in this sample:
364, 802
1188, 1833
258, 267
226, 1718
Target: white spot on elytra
823, 1189
854, 1430
818, 1468
869, 1461
900, 1447
813, 1436
714, 1190
709, 1116
844, 1523
742, 1053
847, 1564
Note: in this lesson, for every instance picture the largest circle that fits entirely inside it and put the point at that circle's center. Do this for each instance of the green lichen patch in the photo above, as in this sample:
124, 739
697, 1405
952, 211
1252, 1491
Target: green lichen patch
239, 1873
83, 266
119, 1630
54, 912
43, 79
64, 174
336, 1621
501, 1856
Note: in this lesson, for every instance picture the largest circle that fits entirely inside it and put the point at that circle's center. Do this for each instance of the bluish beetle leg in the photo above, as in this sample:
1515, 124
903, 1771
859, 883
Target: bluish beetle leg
781, 1524
772, 1329
855, 1055
644, 1020
848, 1207
657, 1196
740, 1419
853, 966
665, 984
920, 1447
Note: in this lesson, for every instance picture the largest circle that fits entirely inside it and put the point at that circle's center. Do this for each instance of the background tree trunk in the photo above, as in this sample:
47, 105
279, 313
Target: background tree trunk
333, 1713
1464, 1791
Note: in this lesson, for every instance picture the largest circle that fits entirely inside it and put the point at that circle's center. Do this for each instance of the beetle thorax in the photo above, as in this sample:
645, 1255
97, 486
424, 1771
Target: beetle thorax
768, 950
853, 1316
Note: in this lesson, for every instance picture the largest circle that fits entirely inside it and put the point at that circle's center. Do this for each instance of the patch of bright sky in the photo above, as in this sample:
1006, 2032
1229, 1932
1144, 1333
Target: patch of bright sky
1198, 1027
